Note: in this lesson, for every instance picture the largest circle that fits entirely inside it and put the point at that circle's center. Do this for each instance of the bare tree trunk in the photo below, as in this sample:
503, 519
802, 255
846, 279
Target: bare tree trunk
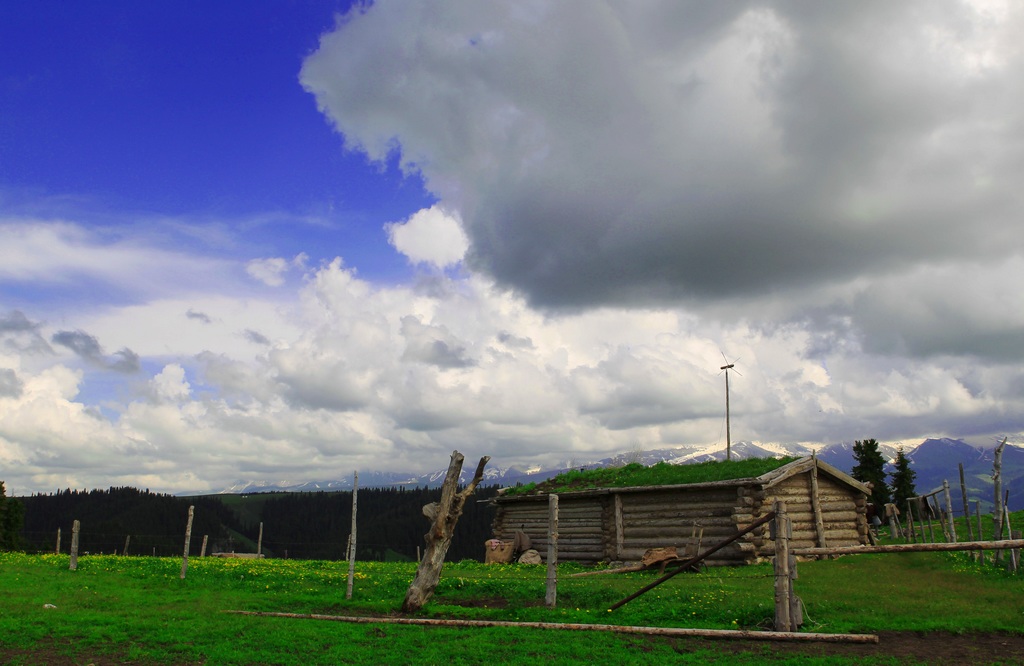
443, 516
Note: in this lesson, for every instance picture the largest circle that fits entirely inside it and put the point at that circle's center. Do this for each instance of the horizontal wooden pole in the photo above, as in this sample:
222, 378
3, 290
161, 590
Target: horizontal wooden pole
912, 547
622, 629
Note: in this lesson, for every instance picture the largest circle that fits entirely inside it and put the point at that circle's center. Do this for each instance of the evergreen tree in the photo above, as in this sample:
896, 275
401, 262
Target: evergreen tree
870, 468
902, 480
12, 515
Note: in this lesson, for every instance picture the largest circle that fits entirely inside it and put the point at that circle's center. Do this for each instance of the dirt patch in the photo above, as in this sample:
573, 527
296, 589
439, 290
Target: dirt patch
927, 648
911, 647
44, 655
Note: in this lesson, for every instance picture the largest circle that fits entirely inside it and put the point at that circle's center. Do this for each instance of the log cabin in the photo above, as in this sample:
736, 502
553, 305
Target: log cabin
826, 506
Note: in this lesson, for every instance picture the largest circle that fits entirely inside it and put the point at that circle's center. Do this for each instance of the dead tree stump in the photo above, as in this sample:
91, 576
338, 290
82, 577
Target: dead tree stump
443, 516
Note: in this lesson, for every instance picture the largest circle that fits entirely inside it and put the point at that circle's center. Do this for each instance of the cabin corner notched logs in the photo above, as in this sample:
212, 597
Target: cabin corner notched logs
826, 506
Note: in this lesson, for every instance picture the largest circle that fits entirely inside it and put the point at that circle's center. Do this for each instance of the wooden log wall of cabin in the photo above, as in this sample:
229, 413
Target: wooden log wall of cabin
622, 525
748, 508
666, 517
843, 513
609, 539
581, 532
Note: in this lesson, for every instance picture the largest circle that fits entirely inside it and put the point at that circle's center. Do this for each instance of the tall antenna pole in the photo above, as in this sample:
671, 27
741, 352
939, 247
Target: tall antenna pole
728, 434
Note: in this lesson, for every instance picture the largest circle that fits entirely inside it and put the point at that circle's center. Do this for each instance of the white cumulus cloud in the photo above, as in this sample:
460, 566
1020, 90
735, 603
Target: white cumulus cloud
431, 236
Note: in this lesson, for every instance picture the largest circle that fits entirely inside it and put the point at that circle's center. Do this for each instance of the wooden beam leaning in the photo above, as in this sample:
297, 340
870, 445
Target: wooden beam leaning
696, 560
910, 548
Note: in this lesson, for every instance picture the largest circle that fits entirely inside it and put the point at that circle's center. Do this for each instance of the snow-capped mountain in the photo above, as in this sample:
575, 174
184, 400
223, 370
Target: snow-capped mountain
934, 460
840, 455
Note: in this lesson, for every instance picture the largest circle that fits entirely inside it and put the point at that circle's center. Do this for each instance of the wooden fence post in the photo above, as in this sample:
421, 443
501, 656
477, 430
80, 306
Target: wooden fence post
933, 510
75, 527
819, 523
259, 542
352, 538
1009, 531
57, 551
894, 530
922, 506
977, 511
783, 583
127, 540
551, 593
911, 532
967, 508
997, 486
949, 510
202, 552
188, 537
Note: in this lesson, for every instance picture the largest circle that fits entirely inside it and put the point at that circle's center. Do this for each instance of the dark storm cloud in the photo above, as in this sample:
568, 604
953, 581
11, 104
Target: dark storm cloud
125, 361
88, 348
686, 153
198, 316
256, 337
20, 334
81, 343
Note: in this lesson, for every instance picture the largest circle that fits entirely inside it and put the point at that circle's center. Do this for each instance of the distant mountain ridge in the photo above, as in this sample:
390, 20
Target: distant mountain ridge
934, 460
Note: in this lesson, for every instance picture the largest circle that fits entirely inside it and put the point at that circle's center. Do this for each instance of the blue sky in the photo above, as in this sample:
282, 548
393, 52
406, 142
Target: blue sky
125, 110
286, 240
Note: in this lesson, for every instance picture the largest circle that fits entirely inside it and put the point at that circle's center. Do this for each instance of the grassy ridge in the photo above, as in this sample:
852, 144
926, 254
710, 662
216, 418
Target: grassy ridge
137, 608
659, 474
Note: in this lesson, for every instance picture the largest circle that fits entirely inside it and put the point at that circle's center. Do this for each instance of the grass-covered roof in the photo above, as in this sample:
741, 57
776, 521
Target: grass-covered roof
660, 474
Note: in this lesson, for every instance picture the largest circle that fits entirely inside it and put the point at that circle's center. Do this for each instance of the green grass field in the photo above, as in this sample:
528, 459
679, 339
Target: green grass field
138, 610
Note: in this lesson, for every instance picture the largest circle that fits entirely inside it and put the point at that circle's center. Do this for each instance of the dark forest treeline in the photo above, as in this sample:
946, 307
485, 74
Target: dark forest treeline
107, 517
391, 524
314, 525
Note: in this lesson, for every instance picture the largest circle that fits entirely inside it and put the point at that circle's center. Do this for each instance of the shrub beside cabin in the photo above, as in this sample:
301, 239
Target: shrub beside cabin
826, 506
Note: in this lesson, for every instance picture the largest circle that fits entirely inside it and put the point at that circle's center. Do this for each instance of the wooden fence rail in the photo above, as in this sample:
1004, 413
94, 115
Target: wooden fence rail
910, 548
